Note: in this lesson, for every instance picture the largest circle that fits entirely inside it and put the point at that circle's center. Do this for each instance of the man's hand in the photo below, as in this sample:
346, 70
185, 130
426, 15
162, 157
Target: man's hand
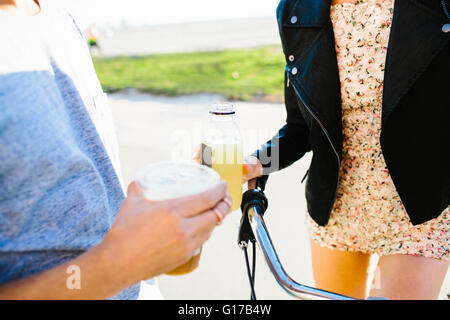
146, 239
150, 238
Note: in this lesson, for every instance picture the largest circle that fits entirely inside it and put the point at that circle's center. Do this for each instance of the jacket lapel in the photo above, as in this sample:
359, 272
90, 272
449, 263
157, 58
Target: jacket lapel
308, 38
416, 38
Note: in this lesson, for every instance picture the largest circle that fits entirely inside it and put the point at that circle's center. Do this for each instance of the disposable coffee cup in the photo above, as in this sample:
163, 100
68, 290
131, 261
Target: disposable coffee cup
170, 180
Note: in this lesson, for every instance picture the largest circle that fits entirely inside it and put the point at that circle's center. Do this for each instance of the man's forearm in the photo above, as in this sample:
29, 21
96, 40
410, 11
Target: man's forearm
100, 277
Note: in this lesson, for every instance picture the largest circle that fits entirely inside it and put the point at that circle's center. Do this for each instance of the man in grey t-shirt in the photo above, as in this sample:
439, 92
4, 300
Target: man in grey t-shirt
63, 211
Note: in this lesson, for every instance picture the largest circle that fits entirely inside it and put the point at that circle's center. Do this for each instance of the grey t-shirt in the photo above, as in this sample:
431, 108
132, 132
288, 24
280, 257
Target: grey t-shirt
60, 188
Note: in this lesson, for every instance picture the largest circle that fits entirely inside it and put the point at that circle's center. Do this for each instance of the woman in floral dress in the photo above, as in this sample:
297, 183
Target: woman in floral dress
368, 216
368, 219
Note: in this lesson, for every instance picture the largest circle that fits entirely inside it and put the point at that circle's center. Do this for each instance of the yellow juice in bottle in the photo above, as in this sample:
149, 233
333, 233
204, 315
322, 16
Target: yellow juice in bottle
221, 149
227, 161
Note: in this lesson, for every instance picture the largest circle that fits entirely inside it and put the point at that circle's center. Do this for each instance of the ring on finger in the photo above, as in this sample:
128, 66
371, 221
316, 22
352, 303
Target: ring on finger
219, 216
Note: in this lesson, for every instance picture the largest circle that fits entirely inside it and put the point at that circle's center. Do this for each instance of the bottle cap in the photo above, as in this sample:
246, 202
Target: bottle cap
222, 109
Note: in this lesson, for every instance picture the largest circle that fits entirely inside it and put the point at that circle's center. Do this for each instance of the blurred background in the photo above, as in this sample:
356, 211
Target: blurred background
163, 63
114, 13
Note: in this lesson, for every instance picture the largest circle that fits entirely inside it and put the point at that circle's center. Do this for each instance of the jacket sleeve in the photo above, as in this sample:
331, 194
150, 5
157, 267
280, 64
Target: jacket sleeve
291, 141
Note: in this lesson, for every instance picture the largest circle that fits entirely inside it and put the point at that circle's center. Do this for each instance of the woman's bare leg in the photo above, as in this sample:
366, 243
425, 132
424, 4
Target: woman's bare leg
409, 277
341, 272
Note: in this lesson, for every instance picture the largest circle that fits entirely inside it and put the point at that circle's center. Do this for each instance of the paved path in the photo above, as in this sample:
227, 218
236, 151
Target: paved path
190, 37
157, 128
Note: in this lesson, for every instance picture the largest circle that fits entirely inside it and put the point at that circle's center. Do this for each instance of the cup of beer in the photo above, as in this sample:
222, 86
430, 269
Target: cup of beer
170, 180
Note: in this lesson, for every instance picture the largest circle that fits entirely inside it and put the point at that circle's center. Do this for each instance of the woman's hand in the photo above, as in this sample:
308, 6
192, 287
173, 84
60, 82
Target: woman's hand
251, 170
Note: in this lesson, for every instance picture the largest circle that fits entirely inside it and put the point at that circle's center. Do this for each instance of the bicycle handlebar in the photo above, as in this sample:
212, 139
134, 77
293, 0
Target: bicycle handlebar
253, 228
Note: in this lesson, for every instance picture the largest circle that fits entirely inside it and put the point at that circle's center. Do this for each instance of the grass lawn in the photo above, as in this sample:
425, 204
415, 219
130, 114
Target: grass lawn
245, 74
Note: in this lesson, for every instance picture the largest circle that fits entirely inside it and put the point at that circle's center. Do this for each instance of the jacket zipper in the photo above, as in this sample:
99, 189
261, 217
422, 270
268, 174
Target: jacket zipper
444, 7
323, 129
304, 177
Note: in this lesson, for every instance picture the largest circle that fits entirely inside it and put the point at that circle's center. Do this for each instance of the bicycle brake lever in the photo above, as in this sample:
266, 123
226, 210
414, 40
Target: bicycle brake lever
261, 182
245, 232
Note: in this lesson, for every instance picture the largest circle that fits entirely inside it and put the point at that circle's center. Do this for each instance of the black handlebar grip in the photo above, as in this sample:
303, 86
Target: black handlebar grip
251, 198
256, 198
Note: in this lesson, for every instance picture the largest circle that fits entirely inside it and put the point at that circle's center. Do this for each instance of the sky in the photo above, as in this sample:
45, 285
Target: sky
153, 12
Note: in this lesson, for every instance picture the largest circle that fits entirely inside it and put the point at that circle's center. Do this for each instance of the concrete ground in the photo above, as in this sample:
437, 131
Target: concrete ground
154, 129
196, 36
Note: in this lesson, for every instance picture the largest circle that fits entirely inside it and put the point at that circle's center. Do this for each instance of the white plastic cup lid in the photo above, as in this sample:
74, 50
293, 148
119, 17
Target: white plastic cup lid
170, 180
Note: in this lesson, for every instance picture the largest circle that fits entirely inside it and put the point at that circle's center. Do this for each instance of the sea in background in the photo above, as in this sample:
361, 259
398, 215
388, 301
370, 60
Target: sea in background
116, 14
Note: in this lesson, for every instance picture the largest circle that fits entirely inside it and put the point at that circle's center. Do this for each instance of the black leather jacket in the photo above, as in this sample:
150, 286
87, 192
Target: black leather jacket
415, 113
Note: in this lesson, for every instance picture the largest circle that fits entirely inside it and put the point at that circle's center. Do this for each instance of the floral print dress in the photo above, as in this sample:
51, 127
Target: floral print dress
368, 215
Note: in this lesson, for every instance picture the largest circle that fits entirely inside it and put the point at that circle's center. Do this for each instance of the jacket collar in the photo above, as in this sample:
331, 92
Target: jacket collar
308, 13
